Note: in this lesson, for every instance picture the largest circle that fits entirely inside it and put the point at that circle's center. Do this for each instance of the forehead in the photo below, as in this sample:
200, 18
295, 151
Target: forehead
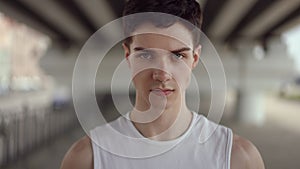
174, 36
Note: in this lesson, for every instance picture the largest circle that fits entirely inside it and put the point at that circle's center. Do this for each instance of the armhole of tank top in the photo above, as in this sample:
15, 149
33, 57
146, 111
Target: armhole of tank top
96, 155
228, 147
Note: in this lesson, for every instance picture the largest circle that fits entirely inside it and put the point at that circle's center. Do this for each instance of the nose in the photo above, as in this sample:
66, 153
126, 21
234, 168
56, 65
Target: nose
161, 71
161, 75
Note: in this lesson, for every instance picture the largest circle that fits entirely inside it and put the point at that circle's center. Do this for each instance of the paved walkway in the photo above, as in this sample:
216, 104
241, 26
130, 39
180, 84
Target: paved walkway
278, 139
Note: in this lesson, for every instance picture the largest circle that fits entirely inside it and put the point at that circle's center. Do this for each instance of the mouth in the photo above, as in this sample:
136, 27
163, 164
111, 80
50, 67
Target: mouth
162, 92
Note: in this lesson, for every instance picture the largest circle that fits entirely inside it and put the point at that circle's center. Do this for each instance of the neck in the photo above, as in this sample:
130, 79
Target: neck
167, 125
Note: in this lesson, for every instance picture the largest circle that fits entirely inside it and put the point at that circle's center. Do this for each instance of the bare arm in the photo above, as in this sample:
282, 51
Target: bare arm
79, 156
244, 155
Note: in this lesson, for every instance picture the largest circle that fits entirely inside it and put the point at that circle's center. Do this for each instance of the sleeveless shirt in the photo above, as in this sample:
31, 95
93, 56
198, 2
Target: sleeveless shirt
204, 145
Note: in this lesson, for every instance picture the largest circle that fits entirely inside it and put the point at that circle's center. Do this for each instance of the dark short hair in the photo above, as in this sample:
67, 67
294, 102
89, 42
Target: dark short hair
188, 10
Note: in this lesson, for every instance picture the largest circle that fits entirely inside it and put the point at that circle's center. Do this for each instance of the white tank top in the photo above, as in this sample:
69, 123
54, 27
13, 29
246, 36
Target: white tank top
205, 145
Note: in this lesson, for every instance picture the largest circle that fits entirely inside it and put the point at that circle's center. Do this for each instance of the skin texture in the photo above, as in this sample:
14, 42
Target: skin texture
169, 63
79, 156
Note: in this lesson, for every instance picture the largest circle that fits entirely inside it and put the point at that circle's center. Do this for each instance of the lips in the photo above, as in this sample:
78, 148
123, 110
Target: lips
162, 92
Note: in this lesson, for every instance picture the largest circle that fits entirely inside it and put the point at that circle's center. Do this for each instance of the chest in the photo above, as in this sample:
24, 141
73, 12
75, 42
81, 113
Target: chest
186, 155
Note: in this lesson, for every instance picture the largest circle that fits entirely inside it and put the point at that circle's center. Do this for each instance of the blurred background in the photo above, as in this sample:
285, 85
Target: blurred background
257, 41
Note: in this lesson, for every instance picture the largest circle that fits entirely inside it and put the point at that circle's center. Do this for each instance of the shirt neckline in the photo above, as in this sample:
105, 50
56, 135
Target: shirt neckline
178, 139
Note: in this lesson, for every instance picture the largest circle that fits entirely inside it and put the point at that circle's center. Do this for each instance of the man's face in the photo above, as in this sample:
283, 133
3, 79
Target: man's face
161, 63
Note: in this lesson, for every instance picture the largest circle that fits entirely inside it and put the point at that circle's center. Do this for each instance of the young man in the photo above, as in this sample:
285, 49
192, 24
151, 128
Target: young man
161, 64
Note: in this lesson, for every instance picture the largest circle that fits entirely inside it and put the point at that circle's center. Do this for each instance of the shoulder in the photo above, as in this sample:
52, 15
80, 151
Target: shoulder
79, 156
244, 155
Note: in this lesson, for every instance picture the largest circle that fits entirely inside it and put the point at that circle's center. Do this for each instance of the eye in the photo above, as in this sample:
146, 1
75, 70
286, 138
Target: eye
178, 56
145, 55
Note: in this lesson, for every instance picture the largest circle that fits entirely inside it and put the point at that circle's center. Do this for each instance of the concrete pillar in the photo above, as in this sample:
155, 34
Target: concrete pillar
259, 70
250, 107
250, 95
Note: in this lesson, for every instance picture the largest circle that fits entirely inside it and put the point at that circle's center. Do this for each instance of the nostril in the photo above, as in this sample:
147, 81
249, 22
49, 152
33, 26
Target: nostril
161, 76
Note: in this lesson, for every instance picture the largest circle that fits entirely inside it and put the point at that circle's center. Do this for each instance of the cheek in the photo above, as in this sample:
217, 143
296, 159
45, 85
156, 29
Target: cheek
139, 70
182, 78
141, 79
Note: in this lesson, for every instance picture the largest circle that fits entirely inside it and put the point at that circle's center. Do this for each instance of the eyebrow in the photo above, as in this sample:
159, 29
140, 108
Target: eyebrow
138, 48
173, 51
181, 50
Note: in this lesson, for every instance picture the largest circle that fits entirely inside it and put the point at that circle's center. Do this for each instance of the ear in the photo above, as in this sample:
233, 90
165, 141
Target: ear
126, 52
196, 56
